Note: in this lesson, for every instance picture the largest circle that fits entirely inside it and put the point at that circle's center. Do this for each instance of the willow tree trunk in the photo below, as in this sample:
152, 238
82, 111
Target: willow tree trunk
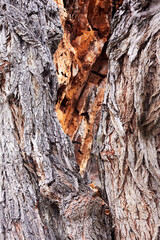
127, 144
42, 195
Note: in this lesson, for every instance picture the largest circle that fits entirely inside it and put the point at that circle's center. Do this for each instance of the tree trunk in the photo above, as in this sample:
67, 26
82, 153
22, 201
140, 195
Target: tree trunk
42, 195
127, 145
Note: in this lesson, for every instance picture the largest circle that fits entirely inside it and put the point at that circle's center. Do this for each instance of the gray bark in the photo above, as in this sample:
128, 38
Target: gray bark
42, 195
127, 145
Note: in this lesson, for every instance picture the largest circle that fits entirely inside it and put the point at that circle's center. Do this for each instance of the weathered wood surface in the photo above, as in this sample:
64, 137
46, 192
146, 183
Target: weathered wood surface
127, 145
42, 195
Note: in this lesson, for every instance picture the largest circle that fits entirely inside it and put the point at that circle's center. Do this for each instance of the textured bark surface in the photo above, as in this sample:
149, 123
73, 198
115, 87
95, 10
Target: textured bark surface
127, 145
81, 65
42, 195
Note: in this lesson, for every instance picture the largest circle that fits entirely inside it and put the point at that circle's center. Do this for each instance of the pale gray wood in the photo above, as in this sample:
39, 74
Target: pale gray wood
42, 195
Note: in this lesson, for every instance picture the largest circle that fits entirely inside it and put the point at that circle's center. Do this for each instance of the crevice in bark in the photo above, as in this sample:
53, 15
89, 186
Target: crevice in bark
82, 80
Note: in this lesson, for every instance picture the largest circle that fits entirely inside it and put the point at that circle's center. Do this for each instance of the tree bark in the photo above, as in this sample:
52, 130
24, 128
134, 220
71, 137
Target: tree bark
42, 195
127, 145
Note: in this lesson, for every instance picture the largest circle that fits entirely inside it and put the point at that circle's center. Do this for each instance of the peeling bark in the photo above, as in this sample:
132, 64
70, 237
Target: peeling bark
127, 145
42, 195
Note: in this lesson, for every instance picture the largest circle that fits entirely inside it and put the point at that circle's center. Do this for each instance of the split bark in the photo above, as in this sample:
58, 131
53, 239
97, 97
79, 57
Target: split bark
42, 195
127, 145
